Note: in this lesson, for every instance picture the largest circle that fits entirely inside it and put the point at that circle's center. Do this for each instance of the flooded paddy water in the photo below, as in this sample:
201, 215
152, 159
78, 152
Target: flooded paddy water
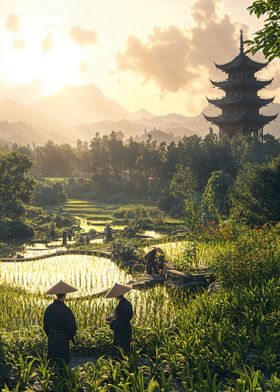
88, 273
30, 280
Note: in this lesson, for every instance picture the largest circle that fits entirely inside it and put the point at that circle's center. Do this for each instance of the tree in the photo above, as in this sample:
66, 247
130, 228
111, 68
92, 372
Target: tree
268, 38
255, 196
214, 198
183, 188
16, 188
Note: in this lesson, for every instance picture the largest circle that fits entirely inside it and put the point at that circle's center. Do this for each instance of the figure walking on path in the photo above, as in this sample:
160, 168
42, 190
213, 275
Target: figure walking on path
59, 324
120, 322
108, 235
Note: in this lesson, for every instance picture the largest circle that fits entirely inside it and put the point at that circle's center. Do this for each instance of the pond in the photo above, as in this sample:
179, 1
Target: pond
39, 249
87, 225
152, 234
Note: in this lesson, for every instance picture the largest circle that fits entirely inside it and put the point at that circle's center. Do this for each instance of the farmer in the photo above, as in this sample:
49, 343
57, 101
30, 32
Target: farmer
108, 233
150, 260
160, 264
120, 322
59, 324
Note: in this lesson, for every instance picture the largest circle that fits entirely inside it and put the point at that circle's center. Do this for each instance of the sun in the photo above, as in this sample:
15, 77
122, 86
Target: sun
59, 67
55, 68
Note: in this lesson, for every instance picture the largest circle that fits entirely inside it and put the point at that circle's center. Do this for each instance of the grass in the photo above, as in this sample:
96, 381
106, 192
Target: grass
186, 255
95, 215
197, 344
225, 341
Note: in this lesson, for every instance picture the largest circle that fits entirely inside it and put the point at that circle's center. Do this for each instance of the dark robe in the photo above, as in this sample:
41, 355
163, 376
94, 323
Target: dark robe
60, 327
121, 325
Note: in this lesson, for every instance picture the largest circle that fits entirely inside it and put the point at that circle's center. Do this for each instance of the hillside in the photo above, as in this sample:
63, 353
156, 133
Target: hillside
79, 112
82, 105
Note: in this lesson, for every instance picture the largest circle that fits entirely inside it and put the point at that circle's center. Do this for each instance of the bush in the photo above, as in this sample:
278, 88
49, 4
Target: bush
49, 193
118, 198
164, 202
253, 258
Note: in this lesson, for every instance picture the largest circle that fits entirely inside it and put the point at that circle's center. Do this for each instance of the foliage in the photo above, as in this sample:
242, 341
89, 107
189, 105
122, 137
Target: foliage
268, 38
49, 193
255, 196
214, 198
144, 171
229, 339
125, 253
15, 190
253, 258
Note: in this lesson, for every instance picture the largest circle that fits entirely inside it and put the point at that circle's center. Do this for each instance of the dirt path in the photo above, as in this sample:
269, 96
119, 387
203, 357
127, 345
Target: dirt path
81, 360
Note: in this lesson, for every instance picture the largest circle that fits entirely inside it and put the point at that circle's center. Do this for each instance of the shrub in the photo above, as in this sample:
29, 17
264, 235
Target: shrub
253, 258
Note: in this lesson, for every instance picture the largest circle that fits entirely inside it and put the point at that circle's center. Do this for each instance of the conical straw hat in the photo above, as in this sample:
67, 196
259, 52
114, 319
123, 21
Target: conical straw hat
61, 288
117, 290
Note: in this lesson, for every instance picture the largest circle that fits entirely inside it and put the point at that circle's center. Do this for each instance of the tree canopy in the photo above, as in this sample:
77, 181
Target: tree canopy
266, 39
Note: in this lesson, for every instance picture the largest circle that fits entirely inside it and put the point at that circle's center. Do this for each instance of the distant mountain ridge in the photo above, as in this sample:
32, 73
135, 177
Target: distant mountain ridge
79, 112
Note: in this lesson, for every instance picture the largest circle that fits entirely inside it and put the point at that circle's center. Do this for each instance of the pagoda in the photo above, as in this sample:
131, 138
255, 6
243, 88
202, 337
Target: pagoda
241, 104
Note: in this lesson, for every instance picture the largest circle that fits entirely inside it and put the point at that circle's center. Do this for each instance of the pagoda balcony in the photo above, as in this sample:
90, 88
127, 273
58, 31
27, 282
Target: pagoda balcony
241, 117
230, 84
233, 100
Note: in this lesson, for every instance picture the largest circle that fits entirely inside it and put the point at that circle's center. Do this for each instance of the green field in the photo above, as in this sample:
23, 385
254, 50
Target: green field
224, 341
95, 215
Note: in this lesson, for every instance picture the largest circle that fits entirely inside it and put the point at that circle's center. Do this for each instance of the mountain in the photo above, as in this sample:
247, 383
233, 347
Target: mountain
159, 136
83, 104
79, 112
142, 113
129, 129
21, 132
30, 122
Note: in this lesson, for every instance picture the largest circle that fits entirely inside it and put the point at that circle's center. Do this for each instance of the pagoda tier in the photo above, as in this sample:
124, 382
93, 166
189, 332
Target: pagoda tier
241, 104
241, 84
244, 117
241, 63
234, 100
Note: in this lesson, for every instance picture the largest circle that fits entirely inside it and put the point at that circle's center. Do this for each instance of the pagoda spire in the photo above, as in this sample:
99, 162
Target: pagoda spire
241, 42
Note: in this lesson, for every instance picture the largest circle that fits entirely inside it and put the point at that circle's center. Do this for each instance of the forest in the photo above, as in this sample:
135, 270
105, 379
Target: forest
205, 180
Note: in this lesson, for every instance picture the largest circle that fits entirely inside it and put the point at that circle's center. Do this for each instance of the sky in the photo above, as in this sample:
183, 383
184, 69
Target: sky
152, 54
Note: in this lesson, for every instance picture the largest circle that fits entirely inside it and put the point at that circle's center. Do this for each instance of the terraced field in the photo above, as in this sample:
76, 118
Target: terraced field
93, 215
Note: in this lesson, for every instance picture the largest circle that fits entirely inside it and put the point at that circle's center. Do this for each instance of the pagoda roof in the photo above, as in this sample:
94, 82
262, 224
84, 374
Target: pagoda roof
227, 101
242, 61
240, 117
232, 84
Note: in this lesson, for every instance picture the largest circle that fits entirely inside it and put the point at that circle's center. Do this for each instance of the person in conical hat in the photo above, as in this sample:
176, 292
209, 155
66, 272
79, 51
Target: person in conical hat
59, 324
120, 322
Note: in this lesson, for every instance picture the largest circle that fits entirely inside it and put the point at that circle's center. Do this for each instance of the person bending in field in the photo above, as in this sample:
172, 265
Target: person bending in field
59, 324
120, 322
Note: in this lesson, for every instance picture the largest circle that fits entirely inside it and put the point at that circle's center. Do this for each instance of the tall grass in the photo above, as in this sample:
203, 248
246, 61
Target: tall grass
209, 343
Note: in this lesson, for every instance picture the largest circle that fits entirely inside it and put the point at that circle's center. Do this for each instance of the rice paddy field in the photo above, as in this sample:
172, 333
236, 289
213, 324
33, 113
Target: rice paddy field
224, 341
95, 215
188, 255
92, 215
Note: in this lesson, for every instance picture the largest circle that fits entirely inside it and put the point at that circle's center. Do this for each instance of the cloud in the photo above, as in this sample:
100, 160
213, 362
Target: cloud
177, 58
13, 23
204, 11
163, 58
19, 44
83, 67
83, 37
47, 44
